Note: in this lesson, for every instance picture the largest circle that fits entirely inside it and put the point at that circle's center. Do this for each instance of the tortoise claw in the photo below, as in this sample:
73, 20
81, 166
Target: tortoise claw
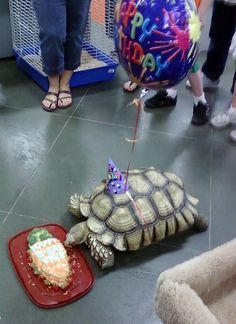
74, 205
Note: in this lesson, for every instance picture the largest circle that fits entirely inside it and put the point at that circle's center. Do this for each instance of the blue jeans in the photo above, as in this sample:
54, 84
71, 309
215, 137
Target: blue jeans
62, 24
223, 24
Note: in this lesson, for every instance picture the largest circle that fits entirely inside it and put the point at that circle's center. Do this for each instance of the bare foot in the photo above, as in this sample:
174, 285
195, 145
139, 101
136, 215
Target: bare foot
130, 86
64, 98
49, 102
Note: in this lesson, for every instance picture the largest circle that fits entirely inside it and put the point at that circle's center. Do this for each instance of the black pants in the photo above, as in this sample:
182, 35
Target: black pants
223, 24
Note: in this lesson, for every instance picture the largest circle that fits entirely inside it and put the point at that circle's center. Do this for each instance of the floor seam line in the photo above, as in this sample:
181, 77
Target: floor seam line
35, 171
148, 131
66, 123
54, 113
177, 246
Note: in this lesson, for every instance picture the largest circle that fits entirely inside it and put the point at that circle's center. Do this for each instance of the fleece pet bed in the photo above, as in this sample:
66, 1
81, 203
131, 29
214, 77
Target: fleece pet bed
201, 290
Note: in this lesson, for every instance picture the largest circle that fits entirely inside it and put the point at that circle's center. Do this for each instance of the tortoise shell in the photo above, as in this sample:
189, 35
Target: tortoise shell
155, 206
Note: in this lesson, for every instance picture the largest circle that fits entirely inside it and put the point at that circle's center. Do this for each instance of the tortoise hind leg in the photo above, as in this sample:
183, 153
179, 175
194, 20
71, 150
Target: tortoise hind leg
101, 253
200, 223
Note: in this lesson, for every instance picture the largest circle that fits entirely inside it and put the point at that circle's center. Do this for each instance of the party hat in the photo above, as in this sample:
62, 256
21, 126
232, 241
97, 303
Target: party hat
116, 183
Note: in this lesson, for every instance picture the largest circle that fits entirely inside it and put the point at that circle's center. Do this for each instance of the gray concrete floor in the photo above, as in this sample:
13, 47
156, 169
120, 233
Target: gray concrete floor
45, 157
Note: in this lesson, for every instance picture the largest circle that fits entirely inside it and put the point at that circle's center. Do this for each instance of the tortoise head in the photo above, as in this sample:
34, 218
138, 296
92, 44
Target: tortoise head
77, 234
79, 205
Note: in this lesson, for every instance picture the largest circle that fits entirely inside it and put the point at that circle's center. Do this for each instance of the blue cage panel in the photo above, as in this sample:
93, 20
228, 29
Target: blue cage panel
98, 61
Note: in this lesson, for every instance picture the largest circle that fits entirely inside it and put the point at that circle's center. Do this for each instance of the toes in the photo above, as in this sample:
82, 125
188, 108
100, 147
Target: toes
64, 102
48, 104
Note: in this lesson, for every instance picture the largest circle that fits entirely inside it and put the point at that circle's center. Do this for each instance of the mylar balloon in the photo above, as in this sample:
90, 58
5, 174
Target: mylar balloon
156, 40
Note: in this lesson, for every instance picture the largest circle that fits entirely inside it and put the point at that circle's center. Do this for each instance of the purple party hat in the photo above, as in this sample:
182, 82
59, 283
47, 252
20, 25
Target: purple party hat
116, 183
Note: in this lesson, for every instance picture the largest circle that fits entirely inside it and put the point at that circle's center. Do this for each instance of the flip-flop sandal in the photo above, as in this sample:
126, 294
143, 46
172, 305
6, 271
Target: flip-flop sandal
49, 108
130, 86
63, 98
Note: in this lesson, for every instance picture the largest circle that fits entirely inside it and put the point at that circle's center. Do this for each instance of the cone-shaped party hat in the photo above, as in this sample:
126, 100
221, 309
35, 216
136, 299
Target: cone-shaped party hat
116, 183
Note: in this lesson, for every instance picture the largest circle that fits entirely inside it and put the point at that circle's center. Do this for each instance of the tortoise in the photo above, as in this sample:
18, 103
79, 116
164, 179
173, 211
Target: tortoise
154, 207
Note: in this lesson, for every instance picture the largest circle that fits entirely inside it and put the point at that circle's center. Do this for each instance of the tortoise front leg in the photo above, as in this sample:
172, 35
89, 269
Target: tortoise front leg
100, 252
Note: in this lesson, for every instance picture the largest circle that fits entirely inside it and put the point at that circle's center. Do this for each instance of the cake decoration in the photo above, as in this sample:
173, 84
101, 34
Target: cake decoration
49, 258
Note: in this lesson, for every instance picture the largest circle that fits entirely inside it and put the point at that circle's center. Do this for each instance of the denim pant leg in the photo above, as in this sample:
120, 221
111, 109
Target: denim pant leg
221, 32
51, 16
77, 16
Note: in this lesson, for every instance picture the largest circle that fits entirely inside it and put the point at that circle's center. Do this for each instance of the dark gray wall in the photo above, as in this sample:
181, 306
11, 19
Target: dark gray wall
5, 30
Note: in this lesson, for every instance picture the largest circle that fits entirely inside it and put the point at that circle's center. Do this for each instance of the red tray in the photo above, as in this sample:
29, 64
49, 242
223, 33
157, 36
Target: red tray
42, 295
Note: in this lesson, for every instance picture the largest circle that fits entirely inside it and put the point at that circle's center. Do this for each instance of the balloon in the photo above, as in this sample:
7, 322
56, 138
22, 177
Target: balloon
156, 40
198, 2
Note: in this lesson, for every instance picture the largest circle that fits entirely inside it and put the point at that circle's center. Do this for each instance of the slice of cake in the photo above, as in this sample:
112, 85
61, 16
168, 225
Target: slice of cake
48, 258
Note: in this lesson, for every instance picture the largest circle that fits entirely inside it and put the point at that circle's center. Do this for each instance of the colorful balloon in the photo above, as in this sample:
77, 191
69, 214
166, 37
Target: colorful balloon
157, 40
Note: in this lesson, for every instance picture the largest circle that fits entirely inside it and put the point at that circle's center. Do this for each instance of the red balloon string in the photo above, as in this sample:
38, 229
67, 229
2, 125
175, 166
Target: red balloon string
139, 211
137, 102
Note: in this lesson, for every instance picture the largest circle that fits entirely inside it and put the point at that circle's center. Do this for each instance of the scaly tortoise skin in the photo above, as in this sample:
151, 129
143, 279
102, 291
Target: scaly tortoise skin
155, 207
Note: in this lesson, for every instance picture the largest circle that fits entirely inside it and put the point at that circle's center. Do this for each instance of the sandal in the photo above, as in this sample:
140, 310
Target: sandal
49, 108
130, 86
68, 92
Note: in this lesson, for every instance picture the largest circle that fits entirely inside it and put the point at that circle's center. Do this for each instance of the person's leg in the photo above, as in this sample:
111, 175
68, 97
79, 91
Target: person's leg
228, 117
201, 108
64, 96
163, 98
130, 86
234, 97
196, 83
51, 16
234, 81
233, 106
49, 103
221, 32
77, 15
168, 97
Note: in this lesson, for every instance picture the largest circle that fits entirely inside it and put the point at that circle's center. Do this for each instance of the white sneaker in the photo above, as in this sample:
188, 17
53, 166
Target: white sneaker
188, 84
206, 82
222, 120
232, 135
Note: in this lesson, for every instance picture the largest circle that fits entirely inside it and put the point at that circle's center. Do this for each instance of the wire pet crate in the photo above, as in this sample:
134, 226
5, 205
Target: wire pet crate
98, 60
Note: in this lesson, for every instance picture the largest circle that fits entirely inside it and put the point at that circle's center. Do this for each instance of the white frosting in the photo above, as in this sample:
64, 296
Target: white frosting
47, 251
50, 258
